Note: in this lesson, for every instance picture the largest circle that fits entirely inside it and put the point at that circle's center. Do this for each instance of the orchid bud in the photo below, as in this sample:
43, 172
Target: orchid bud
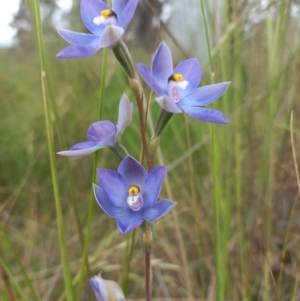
106, 290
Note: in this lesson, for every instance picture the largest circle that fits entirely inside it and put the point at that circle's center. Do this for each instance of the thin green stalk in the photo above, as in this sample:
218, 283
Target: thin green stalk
147, 241
17, 287
225, 132
268, 180
127, 261
5, 237
94, 178
238, 138
293, 210
219, 242
51, 149
217, 217
4, 296
206, 35
70, 179
192, 189
63, 145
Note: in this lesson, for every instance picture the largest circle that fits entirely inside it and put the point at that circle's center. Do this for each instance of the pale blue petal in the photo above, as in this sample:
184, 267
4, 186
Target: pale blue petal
89, 9
162, 65
114, 187
158, 210
153, 184
205, 95
127, 13
149, 79
204, 114
191, 71
130, 223
78, 51
82, 149
125, 116
101, 131
133, 172
99, 288
77, 38
168, 104
110, 36
118, 6
108, 207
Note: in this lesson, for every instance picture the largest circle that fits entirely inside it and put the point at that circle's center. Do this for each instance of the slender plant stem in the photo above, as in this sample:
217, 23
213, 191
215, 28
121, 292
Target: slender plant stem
6, 283
219, 243
197, 216
206, 34
61, 230
14, 283
127, 261
92, 200
148, 275
147, 240
5, 237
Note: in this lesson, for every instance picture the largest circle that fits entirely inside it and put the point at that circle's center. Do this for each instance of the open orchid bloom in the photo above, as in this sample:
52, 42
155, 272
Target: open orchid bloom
130, 195
178, 88
103, 133
106, 290
106, 24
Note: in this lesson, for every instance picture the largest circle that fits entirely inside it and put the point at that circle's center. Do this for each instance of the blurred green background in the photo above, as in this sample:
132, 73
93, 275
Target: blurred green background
235, 234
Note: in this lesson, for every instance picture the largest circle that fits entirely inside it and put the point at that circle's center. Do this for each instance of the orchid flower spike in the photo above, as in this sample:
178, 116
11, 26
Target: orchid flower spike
178, 88
130, 195
107, 26
106, 290
103, 133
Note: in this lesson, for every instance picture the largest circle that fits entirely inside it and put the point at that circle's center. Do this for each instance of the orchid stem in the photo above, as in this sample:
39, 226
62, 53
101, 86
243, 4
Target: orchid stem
148, 275
147, 238
128, 257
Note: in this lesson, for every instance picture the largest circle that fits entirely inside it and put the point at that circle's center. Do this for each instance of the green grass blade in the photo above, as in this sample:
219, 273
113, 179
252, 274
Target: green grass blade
51, 149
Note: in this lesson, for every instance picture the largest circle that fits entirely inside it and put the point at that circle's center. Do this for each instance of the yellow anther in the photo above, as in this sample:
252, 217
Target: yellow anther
133, 190
177, 77
107, 13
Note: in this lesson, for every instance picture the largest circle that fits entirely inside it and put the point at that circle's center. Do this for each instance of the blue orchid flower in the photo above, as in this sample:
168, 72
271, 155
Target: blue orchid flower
178, 88
107, 26
106, 290
103, 133
130, 195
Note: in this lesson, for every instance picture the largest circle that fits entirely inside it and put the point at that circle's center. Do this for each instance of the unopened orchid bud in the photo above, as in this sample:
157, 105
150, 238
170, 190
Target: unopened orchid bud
106, 290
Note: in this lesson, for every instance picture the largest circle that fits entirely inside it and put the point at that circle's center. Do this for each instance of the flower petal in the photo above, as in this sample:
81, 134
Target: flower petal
127, 13
153, 184
149, 79
77, 38
114, 186
107, 206
204, 114
82, 149
101, 131
125, 116
89, 9
130, 223
110, 36
158, 210
133, 172
118, 6
191, 71
168, 104
205, 95
99, 288
162, 65
78, 51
